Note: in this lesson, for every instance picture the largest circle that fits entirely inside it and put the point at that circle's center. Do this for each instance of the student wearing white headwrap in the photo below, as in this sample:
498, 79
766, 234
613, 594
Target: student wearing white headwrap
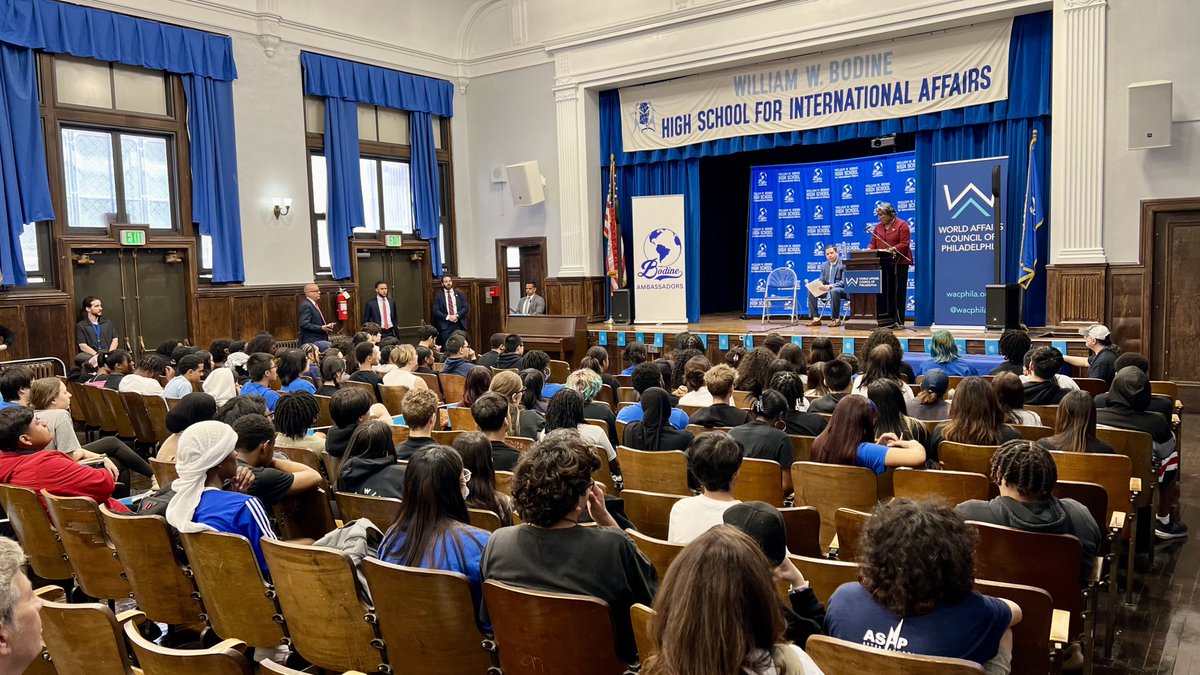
205, 461
221, 385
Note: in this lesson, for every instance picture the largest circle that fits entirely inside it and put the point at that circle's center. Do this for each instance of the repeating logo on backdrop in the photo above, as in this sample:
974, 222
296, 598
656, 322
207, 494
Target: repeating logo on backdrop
762, 179
818, 212
847, 229
643, 116
970, 201
762, 214
816, 175
789, 231
847, 191
877, 170
911, 305
762, 251
662, 248
819, 249
761, 286
910, 186
789, 196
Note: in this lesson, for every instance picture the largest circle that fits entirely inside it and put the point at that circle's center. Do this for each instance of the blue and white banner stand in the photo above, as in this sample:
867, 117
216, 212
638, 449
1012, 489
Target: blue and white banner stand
964, 241
659, 279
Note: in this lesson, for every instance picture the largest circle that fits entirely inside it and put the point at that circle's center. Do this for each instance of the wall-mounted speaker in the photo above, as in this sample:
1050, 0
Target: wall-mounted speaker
1150, 115
525, 183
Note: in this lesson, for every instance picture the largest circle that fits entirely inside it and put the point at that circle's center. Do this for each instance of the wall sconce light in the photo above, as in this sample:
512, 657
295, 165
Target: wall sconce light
282, 206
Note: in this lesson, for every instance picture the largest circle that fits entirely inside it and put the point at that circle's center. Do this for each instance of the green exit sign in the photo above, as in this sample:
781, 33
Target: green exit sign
394, 240
133, 238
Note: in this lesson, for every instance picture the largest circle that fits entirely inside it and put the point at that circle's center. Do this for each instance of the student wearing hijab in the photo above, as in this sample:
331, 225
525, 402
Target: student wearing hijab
654, 431
221, 385
195, 407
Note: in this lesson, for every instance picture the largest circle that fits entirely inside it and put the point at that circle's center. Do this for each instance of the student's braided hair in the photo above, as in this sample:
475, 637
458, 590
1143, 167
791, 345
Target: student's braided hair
1026, 466
295, 413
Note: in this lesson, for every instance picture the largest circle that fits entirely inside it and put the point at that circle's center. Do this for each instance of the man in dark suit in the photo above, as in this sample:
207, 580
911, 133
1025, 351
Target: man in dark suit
381, 310
449, 309
313, 327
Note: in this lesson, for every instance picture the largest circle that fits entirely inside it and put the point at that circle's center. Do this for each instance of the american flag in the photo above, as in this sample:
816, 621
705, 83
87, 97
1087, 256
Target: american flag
614, 248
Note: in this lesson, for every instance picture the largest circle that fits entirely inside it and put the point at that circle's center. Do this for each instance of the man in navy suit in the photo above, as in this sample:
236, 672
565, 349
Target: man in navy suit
381, 310
449, 309
313, 327
833, 281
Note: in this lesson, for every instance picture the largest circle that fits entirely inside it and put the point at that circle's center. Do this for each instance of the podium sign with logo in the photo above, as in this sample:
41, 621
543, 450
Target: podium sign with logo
659, 280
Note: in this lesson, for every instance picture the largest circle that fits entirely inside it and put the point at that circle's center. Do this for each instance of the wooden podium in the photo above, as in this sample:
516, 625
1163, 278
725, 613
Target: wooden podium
870, 306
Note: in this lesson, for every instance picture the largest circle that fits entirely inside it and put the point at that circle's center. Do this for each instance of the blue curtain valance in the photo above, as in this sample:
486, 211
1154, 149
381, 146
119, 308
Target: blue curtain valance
338, 78
62, 28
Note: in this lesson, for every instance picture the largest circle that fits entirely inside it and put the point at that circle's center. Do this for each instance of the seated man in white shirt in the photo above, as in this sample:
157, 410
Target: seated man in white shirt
147, 378
714, 460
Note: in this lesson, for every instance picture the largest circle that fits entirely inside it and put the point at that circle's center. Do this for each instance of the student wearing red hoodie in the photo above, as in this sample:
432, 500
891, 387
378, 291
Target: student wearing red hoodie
25, 463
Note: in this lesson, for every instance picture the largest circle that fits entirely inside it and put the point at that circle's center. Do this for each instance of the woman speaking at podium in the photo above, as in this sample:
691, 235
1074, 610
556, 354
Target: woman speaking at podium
892, 234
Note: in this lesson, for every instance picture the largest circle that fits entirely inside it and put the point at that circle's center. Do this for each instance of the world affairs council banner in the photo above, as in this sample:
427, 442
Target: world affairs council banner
898, 78
964, 239
796, 210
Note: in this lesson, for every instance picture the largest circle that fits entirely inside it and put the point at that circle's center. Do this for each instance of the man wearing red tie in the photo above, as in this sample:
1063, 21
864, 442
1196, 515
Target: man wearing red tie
313, 327
892, 234
381, 310
449, 309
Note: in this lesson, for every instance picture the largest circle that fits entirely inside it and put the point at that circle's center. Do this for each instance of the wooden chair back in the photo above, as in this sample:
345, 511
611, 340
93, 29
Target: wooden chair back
742, 399
301, 455
382, 511
627, 395
697, 429
661, 553
97, 570
1048, 413
519, 442
504, 482
624, 380
307, 515
603, 473
461, 419
452, 387
393, 397
1031, 637
803, 527
324, 419
484, 519
650, 511
1092, 385
955, 487
45, 552
690, 410
365, 386
1092, 495
139, 417
143, 545
426, 619
313, 584
237, 601
78, 411
1138, 446
642, 618
1032, 432
829, 487
559, 370
1004, 555
664, 471
1161, 388
164, 471
399, 434
1110, 471
967, 457
121, 415
801, 447
839, 657
100, 407
825, 575
156, 411
607, 395
445, 437
84, 637
431, 381
850, 525
224, 658
760, 480
930, 425
528, 626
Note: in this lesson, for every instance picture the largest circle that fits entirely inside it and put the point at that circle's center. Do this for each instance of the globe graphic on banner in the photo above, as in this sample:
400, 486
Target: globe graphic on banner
663, 247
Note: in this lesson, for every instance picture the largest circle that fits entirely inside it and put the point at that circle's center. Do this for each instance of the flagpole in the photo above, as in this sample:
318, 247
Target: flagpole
608, 205
1024, 222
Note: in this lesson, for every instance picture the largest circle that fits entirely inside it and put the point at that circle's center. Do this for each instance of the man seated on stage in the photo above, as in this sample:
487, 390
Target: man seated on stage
892, 234
531, 302
645, 376
832, 272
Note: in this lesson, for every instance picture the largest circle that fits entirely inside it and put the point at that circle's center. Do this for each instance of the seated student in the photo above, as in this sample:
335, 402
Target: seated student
1075, 426
490, 413
190, 370
1044, 385
754, 372
221, 384
566, 412
975, 418
729, 622
292, 366
195, 407
147, 378
260, 368
206, 461
794, 354
944, 354
795, 421
645, 376
850, 439
119, 363
692, 391
587, 382
367, 357
456, 361
426, 358
931, 403
369, 465
889, 413
597, 360
934, 609
540, 361
1014, 344
1011, 394
1101, 360
677, 385
880, 366
333, 369
713, 459
635, 353
495, 348
1026, 474
478, 380
15, 384
552, 487
275, 476
433, 529
404, 357
427, 337
836, 374
653, 432
514, 352
420, 409
25, 462
477, 455
1160, 404
295, 414
763, 438
1127, 408
719, 383
347, 409
884, 336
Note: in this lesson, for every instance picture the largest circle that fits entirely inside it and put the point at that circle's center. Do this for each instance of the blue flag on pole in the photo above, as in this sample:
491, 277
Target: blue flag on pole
1031, 220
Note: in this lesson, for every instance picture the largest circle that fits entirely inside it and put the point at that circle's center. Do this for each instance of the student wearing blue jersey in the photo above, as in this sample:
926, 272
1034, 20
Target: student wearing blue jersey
261, 369
291, 366
850, 439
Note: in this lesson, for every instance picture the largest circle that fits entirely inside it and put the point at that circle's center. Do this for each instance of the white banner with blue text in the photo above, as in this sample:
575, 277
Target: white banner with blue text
659, 281
898, 78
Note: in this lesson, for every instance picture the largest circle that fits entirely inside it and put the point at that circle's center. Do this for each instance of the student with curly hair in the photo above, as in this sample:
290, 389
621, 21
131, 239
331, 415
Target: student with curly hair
566, 412
1013, 346
915, 590
295, 414
884, 336
553, 488
754, 372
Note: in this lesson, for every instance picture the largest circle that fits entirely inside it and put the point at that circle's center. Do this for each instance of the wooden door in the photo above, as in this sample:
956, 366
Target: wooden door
1176, 285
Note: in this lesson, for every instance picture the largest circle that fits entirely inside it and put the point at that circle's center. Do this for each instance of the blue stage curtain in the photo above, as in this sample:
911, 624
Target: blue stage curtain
24, 188
338, 78
1000, 128
426, 187
345, 182
213, 150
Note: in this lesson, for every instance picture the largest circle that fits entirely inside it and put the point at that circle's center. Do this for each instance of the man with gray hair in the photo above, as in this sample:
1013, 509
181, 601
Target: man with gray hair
892, 234
20, 622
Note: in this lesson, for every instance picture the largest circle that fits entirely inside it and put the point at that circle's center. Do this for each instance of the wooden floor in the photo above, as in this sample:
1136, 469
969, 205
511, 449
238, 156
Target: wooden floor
1161, 633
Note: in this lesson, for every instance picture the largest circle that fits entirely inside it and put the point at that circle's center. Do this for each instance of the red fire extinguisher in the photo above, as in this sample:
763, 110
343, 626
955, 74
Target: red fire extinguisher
343, 304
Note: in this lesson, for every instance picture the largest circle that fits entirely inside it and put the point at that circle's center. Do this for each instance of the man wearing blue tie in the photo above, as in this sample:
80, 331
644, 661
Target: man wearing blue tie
833, 281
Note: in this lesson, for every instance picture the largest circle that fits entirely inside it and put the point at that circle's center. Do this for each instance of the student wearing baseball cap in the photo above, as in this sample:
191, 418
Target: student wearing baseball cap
1102, 364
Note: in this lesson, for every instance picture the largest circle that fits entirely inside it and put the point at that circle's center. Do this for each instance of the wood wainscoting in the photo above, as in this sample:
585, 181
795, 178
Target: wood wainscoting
43, 323
577, 295
486, 315
239, 312
1076, 294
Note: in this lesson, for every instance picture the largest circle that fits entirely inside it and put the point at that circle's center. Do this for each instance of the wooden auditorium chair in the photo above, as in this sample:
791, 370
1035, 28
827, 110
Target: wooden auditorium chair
660, 552
98, 573
760, 480
803, 528
650, 511
664, 471
84, 637
953, 487
829, 487
839, 657
224, 658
